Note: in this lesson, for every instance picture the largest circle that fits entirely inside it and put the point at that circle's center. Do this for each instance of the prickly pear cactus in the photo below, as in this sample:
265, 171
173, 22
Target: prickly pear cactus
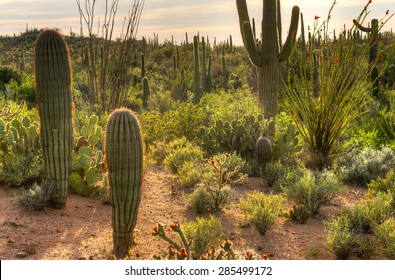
124, 156
55, 105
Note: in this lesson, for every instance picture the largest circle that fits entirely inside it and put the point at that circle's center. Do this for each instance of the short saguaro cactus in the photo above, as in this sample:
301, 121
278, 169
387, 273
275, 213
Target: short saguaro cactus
124, 158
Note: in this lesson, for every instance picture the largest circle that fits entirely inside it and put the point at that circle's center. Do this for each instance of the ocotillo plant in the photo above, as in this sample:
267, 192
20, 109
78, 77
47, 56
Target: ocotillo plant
124, 156
268, 53
55, 105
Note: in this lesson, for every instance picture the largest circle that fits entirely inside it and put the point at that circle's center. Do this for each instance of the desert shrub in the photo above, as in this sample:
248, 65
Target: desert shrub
183, 153
262, 209
184, 120
366, 214
361, 167
7, 74
161, 102
341, 238
284, 172
385, 185
217, 174
224, 104
34, 198
21, 169
200, 200
189, 174
385, 234
314, 190
202, 233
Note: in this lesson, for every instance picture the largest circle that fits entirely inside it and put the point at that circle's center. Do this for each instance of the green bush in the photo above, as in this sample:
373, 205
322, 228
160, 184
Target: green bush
262, 209
341, 238
189, 174
361, 167
21, 169
314, 190
202, 234
7, 74
200, 200
183, 153
284, 172
366, 214
184, 120
385, 185
385, 234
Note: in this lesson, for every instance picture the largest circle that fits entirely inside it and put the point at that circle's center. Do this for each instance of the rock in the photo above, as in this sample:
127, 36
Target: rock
21, 255
259, 248
82, 258
30, 249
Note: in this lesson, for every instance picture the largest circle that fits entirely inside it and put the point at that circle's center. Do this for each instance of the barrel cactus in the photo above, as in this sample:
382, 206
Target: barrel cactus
263, 150
124, 158
55, 105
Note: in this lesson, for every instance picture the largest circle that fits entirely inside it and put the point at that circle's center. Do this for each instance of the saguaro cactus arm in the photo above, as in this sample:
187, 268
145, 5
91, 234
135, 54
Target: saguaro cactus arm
250, 44
290, 41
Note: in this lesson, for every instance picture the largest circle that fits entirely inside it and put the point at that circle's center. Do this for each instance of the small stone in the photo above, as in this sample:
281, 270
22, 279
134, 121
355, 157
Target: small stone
90, 257
260, 248
30, 249
21, 255
11, 241
82, 258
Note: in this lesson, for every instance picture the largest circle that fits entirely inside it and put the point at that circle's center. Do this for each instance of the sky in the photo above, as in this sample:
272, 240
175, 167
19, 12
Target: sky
215, 18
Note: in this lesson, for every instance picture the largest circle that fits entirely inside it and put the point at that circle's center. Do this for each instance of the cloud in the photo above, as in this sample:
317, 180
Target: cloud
175, 17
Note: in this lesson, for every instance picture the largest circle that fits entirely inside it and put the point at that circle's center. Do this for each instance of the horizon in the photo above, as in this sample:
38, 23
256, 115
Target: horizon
217, 19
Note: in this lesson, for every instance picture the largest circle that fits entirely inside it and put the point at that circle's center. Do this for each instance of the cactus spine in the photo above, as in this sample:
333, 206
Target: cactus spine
55, 105
263, 150
124, 156
269, 52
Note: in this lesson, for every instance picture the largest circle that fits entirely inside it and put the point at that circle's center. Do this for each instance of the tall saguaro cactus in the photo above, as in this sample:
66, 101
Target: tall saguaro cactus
55, 105
124, 156
268, 53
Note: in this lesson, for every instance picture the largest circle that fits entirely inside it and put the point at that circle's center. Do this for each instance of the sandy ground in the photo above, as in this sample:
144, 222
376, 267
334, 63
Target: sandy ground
82, 230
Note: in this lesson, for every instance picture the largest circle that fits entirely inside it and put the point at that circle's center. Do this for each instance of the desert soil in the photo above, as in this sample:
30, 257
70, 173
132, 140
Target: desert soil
82, 230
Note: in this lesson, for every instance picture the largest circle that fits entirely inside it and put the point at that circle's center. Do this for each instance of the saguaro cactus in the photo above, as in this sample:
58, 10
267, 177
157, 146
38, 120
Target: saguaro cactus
196, 80
124, 156
146, 92
373, 32
267, 54
55, 105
